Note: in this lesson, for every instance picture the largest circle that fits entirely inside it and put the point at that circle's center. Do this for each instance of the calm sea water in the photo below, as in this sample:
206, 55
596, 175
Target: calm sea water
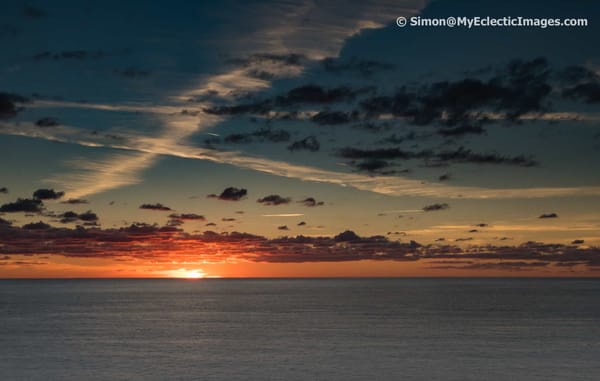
319, 329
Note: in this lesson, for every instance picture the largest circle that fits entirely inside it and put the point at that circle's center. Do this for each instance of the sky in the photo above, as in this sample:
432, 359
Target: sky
297, 139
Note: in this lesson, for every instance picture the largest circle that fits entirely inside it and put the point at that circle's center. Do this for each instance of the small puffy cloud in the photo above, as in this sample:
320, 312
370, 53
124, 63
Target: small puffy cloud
71, 216
311, 202
75, 201
230, 194
156, 206
548, 215
187, 216
47, 194
47, 122
274, 199
435, 207
283, 227
301, 223
23, 205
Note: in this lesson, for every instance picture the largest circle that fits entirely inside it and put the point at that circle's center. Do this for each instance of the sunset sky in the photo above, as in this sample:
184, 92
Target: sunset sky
297, 138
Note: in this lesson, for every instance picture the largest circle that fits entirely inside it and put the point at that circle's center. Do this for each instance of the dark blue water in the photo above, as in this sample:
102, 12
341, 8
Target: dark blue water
320, 329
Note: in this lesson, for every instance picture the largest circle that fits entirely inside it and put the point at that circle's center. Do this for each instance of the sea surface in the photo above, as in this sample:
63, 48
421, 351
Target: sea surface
300, 329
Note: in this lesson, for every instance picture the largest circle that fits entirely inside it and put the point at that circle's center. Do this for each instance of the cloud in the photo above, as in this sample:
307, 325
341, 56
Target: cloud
156, 206
8, 104
47, 194
132, 73
75, 201
314, 94
264, 134
47, 122
311, 202
460, 155
283, 227
78, 55
309, 143
435, 207
227, 219
577, 242
588, 92
230, 194
548, 215
141, 241
274, 199
23, 205
366, 68
301, 223
4, 190
334, 117
36, 226
70, 216
187, 216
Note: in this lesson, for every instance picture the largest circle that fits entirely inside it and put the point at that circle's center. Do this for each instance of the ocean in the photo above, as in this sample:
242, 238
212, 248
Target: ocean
300, 329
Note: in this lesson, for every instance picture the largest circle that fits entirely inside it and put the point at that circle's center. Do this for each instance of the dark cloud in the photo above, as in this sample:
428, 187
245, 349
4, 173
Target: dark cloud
156, 206
370, 165
505, 265
211, 224
230, 194
4, 222
435, 207
70, 216
78, 55
335, 117
132, 73
311, 202
274, 199
259, 108
283, 227
548, 215
226, 219
47, 122
47, 194
23, 205
8, 104
366, 68
4, 190
316, 94
461, 130
301, 223
588, 92
264, 134
153, 242
187, 216
36, 226
310, 143
75, 201
460, 155
577, 242
444, 177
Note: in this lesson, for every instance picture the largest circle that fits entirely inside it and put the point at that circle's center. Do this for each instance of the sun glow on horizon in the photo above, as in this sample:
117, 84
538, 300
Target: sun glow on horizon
186, 273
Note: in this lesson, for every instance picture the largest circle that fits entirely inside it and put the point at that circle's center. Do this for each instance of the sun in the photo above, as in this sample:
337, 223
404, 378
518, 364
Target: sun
186, 273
